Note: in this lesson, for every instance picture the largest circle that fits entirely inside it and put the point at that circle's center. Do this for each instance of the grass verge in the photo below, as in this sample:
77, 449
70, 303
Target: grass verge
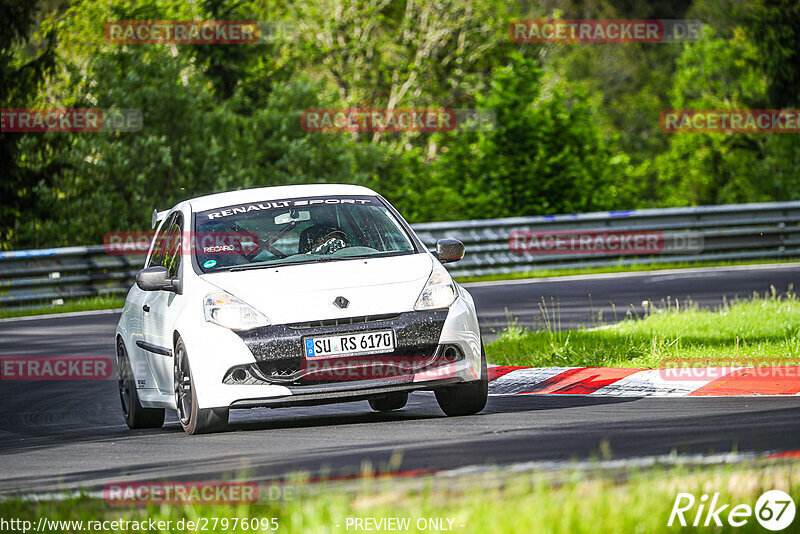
105, 302
547, 273
571, 502
760, 331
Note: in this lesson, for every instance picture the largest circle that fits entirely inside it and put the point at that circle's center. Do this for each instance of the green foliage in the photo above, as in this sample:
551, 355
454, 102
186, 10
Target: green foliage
576, 125
721, 168
574, 498
25, 64
545, 155
194, 142
774, 26
103, 302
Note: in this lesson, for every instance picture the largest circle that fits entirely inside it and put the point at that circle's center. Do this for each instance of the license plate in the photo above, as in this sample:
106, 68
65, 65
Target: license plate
346, 344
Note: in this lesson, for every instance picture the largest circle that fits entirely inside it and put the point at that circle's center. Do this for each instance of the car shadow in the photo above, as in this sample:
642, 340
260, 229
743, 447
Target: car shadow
525, 403
422, 406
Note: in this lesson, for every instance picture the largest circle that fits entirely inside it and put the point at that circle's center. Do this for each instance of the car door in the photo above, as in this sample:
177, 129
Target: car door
159, 307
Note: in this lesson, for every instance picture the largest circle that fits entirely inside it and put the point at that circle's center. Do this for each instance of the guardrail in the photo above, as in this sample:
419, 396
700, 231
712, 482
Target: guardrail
713, 233
730, 232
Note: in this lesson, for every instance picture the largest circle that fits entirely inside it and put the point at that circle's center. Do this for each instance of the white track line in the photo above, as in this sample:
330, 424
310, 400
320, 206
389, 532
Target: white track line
60, 315
657, 272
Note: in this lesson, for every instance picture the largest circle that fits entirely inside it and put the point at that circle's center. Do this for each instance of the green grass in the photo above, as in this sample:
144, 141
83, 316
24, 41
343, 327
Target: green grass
575, 502
760, 331
547, 273
104, 302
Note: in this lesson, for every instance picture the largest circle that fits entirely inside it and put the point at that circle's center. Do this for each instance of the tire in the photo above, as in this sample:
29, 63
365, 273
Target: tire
465, 399
392, 401
193, 420
136, 416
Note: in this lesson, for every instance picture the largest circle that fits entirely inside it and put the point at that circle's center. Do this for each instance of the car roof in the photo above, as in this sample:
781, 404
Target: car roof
260, 194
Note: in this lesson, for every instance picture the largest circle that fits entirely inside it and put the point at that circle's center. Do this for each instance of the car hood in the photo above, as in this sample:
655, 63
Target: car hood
300, 293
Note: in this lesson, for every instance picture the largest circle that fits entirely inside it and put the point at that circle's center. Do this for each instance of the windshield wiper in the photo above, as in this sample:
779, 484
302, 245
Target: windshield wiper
248, 267
320, 259
278, 265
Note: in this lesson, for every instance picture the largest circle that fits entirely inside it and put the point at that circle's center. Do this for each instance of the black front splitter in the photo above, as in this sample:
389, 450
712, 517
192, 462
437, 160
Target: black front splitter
346, 392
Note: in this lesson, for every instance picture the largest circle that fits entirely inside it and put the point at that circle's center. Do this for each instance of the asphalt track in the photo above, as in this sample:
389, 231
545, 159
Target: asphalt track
64, 435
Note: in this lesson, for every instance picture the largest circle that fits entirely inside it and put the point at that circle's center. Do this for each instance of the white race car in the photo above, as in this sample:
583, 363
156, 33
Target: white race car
294, 295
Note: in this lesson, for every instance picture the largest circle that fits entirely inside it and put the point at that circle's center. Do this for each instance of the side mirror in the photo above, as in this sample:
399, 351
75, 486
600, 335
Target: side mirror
157, 279
449, 250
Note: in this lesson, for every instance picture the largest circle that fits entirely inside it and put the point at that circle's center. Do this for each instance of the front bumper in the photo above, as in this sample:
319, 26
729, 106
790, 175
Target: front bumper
419, 337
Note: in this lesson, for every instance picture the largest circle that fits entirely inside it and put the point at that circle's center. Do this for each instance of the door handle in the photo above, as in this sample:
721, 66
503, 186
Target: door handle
146, 308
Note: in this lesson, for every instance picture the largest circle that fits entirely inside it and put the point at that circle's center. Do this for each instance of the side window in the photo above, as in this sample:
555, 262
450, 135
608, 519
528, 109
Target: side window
159, 247
173, 248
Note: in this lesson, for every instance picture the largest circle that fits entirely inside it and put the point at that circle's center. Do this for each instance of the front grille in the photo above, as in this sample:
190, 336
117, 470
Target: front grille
280, 368
414, 331
344, 321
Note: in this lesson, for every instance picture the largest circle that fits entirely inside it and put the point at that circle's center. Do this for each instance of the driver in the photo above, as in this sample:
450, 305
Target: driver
325, 236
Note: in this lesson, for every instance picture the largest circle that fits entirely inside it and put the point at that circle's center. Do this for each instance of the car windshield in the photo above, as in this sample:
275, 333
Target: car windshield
297, 230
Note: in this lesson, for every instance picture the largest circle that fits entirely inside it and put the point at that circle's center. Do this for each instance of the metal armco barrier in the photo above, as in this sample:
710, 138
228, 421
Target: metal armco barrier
29, 277
730, 232
708, 233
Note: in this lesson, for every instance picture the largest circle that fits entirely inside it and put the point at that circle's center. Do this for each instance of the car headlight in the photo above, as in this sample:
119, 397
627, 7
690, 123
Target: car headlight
228, 311
439, 292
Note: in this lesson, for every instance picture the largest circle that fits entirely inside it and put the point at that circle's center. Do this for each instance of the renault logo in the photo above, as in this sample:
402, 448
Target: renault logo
341, 302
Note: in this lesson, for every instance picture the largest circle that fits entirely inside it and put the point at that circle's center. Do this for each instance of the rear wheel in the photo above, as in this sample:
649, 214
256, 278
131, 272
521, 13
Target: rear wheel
136, 416
387, 403
193, 420
465, 399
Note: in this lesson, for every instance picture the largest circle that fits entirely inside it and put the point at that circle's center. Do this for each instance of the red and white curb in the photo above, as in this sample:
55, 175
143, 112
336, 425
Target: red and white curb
625, 382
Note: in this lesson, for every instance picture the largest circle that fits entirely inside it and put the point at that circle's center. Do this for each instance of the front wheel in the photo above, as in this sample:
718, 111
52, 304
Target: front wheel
193, 420
136, 416
465, 399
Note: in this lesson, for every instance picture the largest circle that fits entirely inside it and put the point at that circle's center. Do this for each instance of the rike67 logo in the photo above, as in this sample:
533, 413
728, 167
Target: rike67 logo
774, 510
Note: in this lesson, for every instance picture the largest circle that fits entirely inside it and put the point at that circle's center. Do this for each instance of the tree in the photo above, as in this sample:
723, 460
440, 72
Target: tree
414, 53
545, 155
720, 168
25, 64
774, 26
